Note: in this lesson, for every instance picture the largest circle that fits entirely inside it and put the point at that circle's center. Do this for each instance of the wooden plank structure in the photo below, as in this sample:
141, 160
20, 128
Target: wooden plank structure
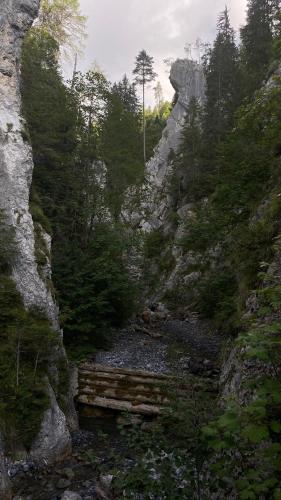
120, 389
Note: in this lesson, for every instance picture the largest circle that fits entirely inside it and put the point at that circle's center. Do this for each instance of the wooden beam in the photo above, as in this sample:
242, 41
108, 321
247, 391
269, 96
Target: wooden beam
124, 395
114, 404
92, 367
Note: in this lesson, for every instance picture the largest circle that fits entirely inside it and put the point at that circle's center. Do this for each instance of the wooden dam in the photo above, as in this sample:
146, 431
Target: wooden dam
123, 390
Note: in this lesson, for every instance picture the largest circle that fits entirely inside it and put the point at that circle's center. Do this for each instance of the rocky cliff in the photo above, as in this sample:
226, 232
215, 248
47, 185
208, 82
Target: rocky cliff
151, 212
16, 167
187, 78
16, 163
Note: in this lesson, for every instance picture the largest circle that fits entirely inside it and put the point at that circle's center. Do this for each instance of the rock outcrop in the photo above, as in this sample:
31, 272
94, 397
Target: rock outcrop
16, 163
187, 78
16, 167
152, 212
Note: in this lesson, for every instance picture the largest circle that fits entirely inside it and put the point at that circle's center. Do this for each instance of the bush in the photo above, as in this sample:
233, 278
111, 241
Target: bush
95, 290
26, 340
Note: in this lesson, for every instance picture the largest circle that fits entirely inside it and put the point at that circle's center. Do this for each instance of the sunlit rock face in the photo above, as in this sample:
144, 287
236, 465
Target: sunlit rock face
187, 78
16, 163
16, 166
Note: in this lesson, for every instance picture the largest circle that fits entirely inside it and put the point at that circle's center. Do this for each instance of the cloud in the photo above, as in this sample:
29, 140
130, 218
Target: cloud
119, 29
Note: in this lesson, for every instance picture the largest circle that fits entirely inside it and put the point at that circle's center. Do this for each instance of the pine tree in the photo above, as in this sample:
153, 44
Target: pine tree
144, 74
257, 38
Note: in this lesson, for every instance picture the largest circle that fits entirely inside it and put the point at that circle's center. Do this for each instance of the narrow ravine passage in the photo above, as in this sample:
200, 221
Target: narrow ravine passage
100, 448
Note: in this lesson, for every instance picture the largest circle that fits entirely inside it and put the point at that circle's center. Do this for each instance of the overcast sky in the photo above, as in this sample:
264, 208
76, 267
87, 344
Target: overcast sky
119, 29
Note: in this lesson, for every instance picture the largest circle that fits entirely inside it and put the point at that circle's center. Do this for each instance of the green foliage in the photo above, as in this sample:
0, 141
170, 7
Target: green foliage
144, 69
26, 340
153, 243
144, 74
68, 126
99, 294
155, 123
50, 115
248, 169
223, 85
246, 438
121, 143
170, 456
257, 40
62, 21
7, 251
217, 292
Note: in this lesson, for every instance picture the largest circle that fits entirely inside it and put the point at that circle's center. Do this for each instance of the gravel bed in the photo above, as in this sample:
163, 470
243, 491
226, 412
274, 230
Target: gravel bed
137, 351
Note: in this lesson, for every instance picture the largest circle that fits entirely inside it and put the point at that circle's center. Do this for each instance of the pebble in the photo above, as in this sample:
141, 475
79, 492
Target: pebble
63, 483
71, 495
87, 484
68, 473
106, 480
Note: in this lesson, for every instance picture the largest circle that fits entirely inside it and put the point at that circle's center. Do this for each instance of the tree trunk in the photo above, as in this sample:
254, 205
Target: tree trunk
5, 485
36, 364
18, 361
144, 124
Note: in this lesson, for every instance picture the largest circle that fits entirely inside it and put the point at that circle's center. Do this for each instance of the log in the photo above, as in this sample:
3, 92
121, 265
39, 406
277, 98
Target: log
122, 389
154, 335
125, 378
114, 404
93, 367
124, 395
143, 388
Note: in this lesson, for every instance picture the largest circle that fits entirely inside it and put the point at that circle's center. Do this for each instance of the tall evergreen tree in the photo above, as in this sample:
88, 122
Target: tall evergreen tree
223, 84
127, 95
51, 116
257, 39
64, 126
121, 142
144, 74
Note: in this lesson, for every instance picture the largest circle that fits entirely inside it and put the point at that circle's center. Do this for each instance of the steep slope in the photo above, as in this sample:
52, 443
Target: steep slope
219, 255
16, 166
187, 78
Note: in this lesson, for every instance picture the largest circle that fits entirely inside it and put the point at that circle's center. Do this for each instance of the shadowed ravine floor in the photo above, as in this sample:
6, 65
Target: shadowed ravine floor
99, 450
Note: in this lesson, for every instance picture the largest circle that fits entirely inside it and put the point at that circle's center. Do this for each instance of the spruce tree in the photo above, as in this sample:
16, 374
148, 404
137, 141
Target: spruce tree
144, 74
223, 85
121, 143
257, 38
127, 95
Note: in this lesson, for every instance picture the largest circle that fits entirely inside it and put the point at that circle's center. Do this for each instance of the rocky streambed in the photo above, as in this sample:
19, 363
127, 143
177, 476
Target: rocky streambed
164, 346
160, 345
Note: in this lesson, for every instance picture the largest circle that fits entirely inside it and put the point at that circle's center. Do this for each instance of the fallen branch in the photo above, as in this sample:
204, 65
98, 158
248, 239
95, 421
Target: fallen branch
154, 335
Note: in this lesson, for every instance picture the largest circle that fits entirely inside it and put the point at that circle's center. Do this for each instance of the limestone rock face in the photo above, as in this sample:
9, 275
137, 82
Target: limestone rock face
16, 163
151, 213
53, 441
187, 78
16, 166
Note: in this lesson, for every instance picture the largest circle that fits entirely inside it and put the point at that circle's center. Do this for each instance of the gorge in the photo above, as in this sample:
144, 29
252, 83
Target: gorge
166, 273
